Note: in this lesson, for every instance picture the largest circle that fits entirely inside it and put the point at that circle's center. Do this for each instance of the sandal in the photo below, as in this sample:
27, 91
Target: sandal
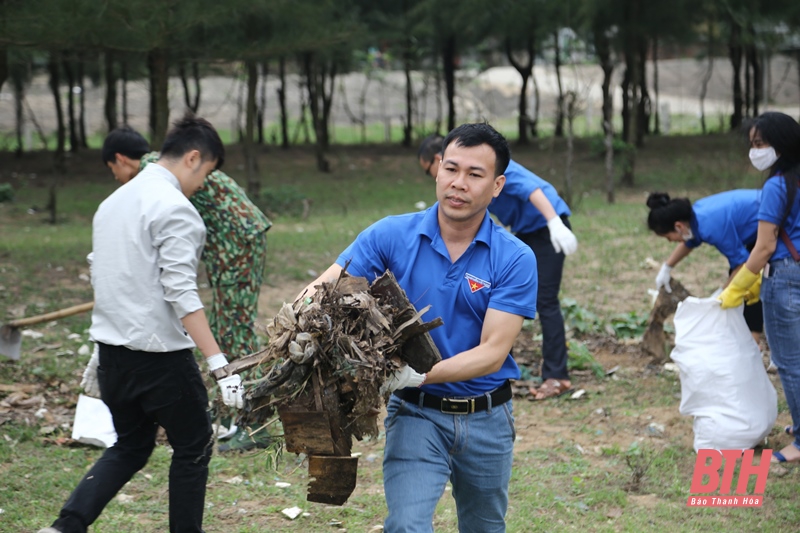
788, 430
779, 457
551, 388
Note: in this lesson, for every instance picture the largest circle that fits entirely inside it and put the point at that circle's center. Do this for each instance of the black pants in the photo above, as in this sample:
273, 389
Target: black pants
144, 390
550, 266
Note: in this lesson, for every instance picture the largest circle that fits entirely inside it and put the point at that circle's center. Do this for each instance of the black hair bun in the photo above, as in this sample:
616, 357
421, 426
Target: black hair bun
657, 199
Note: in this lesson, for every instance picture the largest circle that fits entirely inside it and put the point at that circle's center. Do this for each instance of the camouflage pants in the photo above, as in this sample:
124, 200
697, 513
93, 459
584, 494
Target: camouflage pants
236, 284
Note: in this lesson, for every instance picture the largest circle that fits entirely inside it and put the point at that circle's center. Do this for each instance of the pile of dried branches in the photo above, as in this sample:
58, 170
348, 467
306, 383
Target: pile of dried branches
332, 351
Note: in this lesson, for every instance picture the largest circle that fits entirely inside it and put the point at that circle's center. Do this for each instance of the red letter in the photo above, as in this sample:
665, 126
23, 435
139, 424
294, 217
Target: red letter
701, 469
731, 457
748, 469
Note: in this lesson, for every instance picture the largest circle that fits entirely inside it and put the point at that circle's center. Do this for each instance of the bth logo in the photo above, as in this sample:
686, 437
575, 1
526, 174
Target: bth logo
722, 485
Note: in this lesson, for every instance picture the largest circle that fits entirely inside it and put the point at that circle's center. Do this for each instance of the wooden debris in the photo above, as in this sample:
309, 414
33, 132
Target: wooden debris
323, 369
653, 341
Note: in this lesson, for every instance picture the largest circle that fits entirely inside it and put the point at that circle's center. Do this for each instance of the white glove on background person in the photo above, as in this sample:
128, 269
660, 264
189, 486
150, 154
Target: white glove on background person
89, 381
402, 378
561, 237
230, 387
663, 277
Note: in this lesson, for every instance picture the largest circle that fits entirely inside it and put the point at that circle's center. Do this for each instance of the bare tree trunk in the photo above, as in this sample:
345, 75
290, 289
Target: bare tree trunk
559, 132
603, 47
707, 75
608, 127
747, 82
315, 83
657, 110
752, 59
67, 64
439, 108
110, 107
55, 87
158, 67
192, 103
81, 104
124, 85
4, 69
525, 70
536, 106
569, 101
18, 86
643, 103
449, 69
250, 160
408, 128
735, 54
262, 102
282, 103
632, 73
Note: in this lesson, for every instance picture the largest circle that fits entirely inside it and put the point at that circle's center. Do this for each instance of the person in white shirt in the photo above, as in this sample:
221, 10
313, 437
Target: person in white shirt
146, 243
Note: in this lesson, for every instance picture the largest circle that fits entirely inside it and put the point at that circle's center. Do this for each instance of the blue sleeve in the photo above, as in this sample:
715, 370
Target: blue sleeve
773, 201
368, 254
731, 246
516, 290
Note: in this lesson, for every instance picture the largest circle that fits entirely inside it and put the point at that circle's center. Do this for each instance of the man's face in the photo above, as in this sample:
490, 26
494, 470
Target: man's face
465, 182
431, 168
123, 168
196, 172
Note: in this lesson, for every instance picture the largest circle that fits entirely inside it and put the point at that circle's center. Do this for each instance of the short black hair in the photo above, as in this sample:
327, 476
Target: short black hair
126, 141
476, 134
431, 145
666, 211
193, 133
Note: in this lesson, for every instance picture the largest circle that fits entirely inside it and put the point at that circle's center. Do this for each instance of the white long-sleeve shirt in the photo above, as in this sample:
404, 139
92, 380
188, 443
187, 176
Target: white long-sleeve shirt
146, 242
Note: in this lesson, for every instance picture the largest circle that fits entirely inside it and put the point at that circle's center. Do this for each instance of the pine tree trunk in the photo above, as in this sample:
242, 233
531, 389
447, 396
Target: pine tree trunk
525, 71
158, 68
282, 103
735, 54
110, 107
559, 132
67, 64
55, 87
449, 68
250, 160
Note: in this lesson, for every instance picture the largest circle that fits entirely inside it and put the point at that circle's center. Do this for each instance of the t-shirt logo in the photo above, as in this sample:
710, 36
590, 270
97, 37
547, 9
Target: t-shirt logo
475, 283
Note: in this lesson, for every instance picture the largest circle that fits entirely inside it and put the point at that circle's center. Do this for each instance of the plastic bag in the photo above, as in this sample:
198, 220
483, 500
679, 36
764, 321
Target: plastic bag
93, 424
723, 381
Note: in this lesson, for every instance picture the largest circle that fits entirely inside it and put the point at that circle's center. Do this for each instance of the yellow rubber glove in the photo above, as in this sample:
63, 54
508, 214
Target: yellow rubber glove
754, 292
742, 288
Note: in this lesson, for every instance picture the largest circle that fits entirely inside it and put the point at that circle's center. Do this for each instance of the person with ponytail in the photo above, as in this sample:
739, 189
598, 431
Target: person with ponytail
775, 147
728, 221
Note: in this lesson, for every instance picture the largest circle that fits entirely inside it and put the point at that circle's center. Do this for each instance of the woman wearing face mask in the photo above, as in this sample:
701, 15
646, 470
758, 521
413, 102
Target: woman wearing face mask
775, 146
726, 221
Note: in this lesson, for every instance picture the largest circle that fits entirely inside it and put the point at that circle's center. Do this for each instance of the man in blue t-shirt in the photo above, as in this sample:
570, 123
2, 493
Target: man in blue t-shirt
534, 212
454, 423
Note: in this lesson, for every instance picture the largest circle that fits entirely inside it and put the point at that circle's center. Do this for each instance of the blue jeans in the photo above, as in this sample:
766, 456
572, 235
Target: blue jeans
425, 448
780, 293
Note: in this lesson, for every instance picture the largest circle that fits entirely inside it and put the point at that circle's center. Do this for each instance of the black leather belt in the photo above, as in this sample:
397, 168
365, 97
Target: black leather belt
457, 406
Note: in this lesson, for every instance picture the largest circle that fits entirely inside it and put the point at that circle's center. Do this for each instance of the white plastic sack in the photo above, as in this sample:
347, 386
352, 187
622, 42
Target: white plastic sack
723, 381
93, 424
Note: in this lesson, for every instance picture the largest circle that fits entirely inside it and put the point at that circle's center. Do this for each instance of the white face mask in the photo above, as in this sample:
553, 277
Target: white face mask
688, 236
763, 158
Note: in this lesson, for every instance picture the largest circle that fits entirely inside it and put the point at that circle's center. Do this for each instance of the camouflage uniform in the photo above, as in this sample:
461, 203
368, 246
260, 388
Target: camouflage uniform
234, 257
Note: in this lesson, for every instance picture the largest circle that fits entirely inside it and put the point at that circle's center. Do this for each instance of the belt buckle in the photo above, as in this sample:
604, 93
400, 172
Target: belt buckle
458, 406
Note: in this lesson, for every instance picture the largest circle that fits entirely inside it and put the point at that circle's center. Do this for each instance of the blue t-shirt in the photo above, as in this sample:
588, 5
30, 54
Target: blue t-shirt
496, 271
728, 221
773, 204
513, 207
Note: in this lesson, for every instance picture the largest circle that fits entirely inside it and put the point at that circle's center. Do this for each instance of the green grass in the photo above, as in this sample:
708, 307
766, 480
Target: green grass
570, 469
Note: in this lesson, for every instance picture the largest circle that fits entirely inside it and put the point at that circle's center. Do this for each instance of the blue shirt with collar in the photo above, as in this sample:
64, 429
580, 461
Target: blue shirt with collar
513, 207
773, 204
728, 221
496, 271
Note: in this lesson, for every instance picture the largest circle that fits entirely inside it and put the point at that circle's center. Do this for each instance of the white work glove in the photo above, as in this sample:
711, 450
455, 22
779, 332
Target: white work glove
663, 277
230, 387
89, 381
402, 378
561, 237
